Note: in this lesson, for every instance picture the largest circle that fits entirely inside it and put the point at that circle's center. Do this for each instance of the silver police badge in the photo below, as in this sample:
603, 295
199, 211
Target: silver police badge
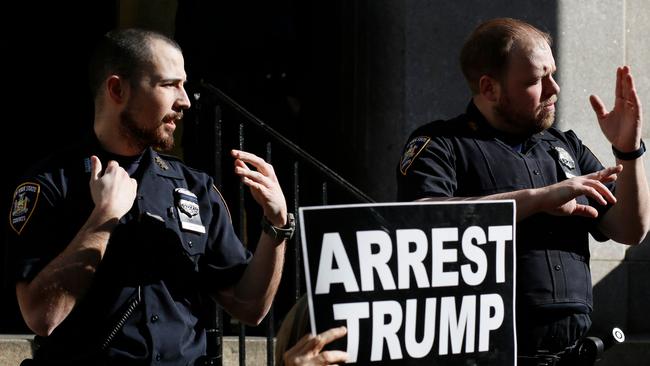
187, 206
566, 161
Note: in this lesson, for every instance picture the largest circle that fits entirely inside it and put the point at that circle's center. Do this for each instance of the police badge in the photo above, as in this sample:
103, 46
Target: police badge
565, 161
187, 206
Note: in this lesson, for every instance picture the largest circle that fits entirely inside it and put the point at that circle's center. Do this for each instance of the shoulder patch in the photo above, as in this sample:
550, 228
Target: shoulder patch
23, 205
411, 151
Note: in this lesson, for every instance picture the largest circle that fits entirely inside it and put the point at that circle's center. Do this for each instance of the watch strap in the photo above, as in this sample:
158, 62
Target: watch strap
280, 233
632, 155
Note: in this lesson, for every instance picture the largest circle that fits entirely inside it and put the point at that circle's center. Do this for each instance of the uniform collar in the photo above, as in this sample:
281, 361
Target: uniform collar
161, 166
477, 123
150, 159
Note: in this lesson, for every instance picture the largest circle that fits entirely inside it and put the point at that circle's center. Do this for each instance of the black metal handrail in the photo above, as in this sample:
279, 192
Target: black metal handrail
302, 154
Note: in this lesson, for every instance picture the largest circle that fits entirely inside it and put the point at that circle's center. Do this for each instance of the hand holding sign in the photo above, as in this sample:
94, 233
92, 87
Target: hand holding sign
307, 352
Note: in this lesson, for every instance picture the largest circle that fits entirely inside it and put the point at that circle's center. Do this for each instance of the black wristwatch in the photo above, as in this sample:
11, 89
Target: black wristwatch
632, 155
280, 233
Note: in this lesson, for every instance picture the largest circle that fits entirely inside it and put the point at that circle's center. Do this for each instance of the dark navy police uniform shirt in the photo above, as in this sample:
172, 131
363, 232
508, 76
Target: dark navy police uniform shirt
157, 254
466, 157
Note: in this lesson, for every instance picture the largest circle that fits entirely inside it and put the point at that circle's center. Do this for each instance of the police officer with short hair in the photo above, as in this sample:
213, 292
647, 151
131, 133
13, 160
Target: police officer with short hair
504, 147
116, 245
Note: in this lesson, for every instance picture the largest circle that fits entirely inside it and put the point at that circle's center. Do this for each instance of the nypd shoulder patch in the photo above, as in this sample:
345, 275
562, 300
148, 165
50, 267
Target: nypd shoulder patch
23, 205
411, 151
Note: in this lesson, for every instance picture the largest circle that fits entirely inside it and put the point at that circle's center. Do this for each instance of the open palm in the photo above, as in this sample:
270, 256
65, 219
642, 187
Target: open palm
622, 125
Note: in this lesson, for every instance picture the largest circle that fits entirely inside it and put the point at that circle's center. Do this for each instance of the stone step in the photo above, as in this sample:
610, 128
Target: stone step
15, 348
634, 352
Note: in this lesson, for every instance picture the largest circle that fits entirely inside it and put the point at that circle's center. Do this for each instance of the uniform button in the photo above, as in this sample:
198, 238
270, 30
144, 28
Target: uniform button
158, 356
557, 267
189, 244
536, 172
154, 318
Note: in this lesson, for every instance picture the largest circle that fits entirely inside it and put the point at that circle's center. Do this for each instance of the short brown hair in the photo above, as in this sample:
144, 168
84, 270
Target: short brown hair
124, 52
487, 50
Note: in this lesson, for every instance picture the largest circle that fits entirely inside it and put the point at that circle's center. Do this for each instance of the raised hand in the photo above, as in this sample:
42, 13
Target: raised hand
263, 184
560, 198
622, 125
307, 351
114, 191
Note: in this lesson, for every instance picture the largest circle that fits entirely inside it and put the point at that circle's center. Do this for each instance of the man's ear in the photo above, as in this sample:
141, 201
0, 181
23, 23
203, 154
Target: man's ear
489, 88
117, 89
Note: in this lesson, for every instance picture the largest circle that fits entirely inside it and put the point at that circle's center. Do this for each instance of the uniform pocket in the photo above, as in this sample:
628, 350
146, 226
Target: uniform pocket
193, 244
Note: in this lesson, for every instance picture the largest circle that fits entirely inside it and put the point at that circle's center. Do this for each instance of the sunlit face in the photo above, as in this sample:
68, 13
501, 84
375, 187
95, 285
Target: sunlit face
526, 102
157, 100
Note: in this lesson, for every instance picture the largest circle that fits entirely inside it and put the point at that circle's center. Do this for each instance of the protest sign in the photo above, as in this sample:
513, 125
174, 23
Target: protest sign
414, 283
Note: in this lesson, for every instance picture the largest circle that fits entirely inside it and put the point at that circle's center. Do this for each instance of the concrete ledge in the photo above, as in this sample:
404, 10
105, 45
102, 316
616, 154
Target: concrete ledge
255, 351
15, 348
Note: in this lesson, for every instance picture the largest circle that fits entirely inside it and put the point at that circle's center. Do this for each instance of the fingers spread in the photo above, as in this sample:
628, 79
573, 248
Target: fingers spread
631, 94
606, 174
598, 106
333, 334
252, 159
252, 177
303, 346
329, 357
599, 192
586, 211
241, 164
619, 82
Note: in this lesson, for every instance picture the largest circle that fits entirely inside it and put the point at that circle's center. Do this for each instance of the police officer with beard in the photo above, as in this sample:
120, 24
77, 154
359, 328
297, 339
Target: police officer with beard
505, 147
116, 245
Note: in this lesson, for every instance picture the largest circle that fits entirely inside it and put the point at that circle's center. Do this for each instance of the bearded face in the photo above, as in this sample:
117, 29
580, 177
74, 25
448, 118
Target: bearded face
154, 100
158, 134
527, 93
526, 120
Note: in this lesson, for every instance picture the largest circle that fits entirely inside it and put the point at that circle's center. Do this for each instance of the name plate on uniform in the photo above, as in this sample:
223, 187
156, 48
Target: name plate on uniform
187, 208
